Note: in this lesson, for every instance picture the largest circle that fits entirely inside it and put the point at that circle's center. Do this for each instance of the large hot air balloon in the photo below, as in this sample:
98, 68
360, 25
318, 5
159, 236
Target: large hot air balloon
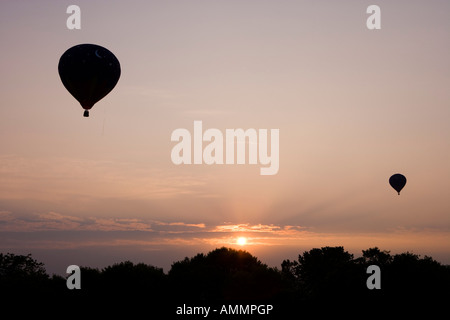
397, 181
89, 72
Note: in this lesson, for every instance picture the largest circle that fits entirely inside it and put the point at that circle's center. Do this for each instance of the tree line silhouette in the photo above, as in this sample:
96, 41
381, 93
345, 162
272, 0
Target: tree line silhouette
327, 276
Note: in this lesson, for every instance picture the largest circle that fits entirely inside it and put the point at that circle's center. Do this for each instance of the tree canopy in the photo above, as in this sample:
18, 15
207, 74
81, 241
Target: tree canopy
327, 276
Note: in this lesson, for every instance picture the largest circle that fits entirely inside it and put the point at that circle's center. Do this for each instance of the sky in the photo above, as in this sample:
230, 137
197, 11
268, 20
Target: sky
353, 106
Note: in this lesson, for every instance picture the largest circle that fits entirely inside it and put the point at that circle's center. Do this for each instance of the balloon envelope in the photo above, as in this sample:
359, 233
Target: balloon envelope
397, 181
89, 72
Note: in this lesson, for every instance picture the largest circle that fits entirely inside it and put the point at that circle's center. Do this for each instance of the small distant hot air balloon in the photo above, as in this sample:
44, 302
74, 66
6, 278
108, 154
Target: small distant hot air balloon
397, 181
89, 72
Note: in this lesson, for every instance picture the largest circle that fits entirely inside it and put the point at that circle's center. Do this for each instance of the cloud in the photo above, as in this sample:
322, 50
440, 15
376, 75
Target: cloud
53, 221
114, 224
6, 217
57, 231
156, 232
246, 227
182, 224
60, 222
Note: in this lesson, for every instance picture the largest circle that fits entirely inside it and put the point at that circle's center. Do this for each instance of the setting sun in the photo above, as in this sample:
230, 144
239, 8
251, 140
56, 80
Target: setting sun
241, 241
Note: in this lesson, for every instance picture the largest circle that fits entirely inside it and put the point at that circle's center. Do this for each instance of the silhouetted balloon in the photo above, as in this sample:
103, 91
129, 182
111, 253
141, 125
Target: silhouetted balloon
397, 181
89, 72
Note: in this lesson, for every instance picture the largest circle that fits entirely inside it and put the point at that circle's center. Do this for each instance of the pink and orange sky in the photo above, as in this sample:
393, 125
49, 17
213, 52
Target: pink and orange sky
353, 107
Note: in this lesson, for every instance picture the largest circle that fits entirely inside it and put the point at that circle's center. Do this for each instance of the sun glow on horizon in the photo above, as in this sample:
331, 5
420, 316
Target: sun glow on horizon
242, 241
